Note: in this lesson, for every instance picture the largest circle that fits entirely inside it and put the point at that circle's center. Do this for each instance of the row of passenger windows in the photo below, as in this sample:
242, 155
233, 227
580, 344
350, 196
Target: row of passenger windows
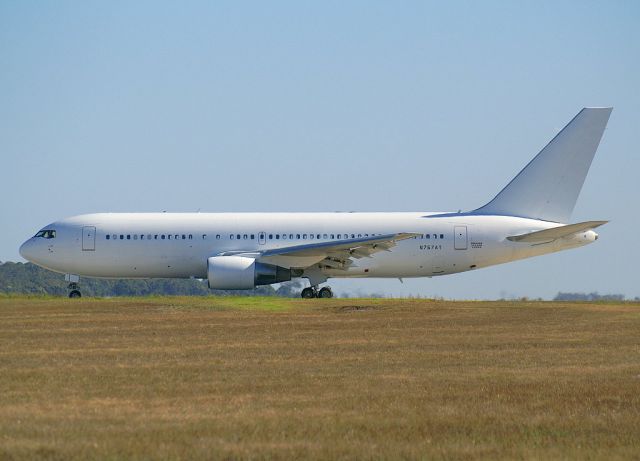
150, 236
253, 236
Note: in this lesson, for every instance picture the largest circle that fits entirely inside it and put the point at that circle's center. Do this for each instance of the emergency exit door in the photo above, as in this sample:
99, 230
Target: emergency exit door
88, 238
460, 237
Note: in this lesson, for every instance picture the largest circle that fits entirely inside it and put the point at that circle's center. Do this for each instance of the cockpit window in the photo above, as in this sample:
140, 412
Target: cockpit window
47, 234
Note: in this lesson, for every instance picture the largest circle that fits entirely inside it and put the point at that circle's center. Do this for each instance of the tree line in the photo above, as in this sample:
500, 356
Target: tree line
27, 278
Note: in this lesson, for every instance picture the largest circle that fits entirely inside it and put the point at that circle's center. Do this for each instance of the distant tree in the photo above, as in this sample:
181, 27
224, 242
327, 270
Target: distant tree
588, 297
290, 289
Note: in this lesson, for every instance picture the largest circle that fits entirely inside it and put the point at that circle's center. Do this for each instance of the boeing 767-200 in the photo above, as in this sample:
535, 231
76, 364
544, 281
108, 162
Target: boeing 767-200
529, 217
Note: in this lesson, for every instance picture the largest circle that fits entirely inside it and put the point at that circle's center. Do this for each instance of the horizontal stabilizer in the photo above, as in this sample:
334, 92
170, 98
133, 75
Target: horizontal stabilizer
556, 232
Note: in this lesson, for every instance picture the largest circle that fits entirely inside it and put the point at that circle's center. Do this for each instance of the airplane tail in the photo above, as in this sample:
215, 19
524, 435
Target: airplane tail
548, 187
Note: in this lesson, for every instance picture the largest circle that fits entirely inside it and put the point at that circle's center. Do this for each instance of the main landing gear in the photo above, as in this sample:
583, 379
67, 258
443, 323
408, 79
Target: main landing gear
313, 292
74, 293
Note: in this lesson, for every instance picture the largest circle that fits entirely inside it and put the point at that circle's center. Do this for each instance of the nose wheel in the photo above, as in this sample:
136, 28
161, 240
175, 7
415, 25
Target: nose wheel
313, 292
74, 293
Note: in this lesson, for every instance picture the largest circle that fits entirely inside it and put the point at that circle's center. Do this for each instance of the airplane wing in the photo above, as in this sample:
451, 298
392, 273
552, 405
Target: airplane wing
338, 254
556, 232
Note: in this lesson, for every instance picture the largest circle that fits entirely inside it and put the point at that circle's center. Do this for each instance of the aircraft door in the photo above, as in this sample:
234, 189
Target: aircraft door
262, 238
460, 237
88, 238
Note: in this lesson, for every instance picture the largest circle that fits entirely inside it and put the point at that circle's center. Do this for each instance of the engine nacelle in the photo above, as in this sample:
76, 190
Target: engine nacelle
242, 273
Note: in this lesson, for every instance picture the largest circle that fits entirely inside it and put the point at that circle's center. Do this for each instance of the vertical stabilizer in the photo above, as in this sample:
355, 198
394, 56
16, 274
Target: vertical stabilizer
548, 187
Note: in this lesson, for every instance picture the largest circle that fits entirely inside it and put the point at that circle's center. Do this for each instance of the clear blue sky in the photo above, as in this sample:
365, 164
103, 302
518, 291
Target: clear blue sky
300, 106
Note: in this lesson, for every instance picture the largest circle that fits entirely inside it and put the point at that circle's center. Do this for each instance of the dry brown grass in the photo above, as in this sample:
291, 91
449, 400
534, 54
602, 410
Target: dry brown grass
208, 378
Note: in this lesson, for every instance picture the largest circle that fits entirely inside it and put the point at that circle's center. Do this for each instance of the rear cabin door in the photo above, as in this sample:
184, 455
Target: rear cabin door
88, 238
460, 237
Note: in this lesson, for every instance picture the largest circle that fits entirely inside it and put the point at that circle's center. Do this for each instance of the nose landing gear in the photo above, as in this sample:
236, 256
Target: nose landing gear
74, 293
73, 285
313, 292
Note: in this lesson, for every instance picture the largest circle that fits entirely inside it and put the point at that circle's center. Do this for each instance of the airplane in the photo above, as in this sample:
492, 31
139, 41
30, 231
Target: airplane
237, 251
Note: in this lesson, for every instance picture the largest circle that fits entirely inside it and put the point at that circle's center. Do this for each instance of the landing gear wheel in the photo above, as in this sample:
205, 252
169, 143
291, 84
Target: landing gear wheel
325, 293
75, 294
308, 293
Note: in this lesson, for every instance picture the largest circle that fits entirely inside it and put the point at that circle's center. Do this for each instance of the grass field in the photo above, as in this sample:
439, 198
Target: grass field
238, 378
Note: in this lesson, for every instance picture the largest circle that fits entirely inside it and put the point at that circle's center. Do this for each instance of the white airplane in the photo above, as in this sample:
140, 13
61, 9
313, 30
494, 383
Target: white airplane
242, 250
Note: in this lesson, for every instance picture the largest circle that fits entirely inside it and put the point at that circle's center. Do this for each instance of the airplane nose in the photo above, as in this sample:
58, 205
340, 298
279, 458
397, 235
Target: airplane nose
26, 250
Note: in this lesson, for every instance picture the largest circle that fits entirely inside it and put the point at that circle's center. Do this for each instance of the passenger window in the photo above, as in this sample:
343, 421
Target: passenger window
169, 237
148, 236
339, 236
441, 236
217, 237
184, 237
162, 236
114, 237
121, 237
290, 236
298, 236
128, 236
155, 237
359, 236
311, 236
253, 236
277, 236
204, 236
284, 236
245, 236
141, 236
325, 236
304, 236
270, 236
231, 236
353, 236
190, 236
108, 236
238, 236
135, 236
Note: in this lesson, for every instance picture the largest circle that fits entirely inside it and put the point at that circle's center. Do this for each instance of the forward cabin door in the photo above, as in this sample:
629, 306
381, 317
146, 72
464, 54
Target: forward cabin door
460, 237
88, 238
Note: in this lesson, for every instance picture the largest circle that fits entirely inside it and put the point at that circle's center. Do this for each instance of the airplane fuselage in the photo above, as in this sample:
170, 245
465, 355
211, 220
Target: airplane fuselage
149, 245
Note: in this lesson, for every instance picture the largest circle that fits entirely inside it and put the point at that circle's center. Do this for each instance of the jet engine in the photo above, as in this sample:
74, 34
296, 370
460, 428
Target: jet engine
243, 273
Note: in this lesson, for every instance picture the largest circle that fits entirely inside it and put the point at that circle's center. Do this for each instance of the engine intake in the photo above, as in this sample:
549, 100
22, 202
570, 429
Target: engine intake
243, 273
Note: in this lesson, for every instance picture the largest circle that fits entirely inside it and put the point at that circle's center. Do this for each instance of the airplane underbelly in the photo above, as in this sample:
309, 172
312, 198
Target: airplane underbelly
140, 266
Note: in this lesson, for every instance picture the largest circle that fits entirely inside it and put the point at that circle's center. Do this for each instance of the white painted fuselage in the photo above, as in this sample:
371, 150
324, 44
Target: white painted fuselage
149, 245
